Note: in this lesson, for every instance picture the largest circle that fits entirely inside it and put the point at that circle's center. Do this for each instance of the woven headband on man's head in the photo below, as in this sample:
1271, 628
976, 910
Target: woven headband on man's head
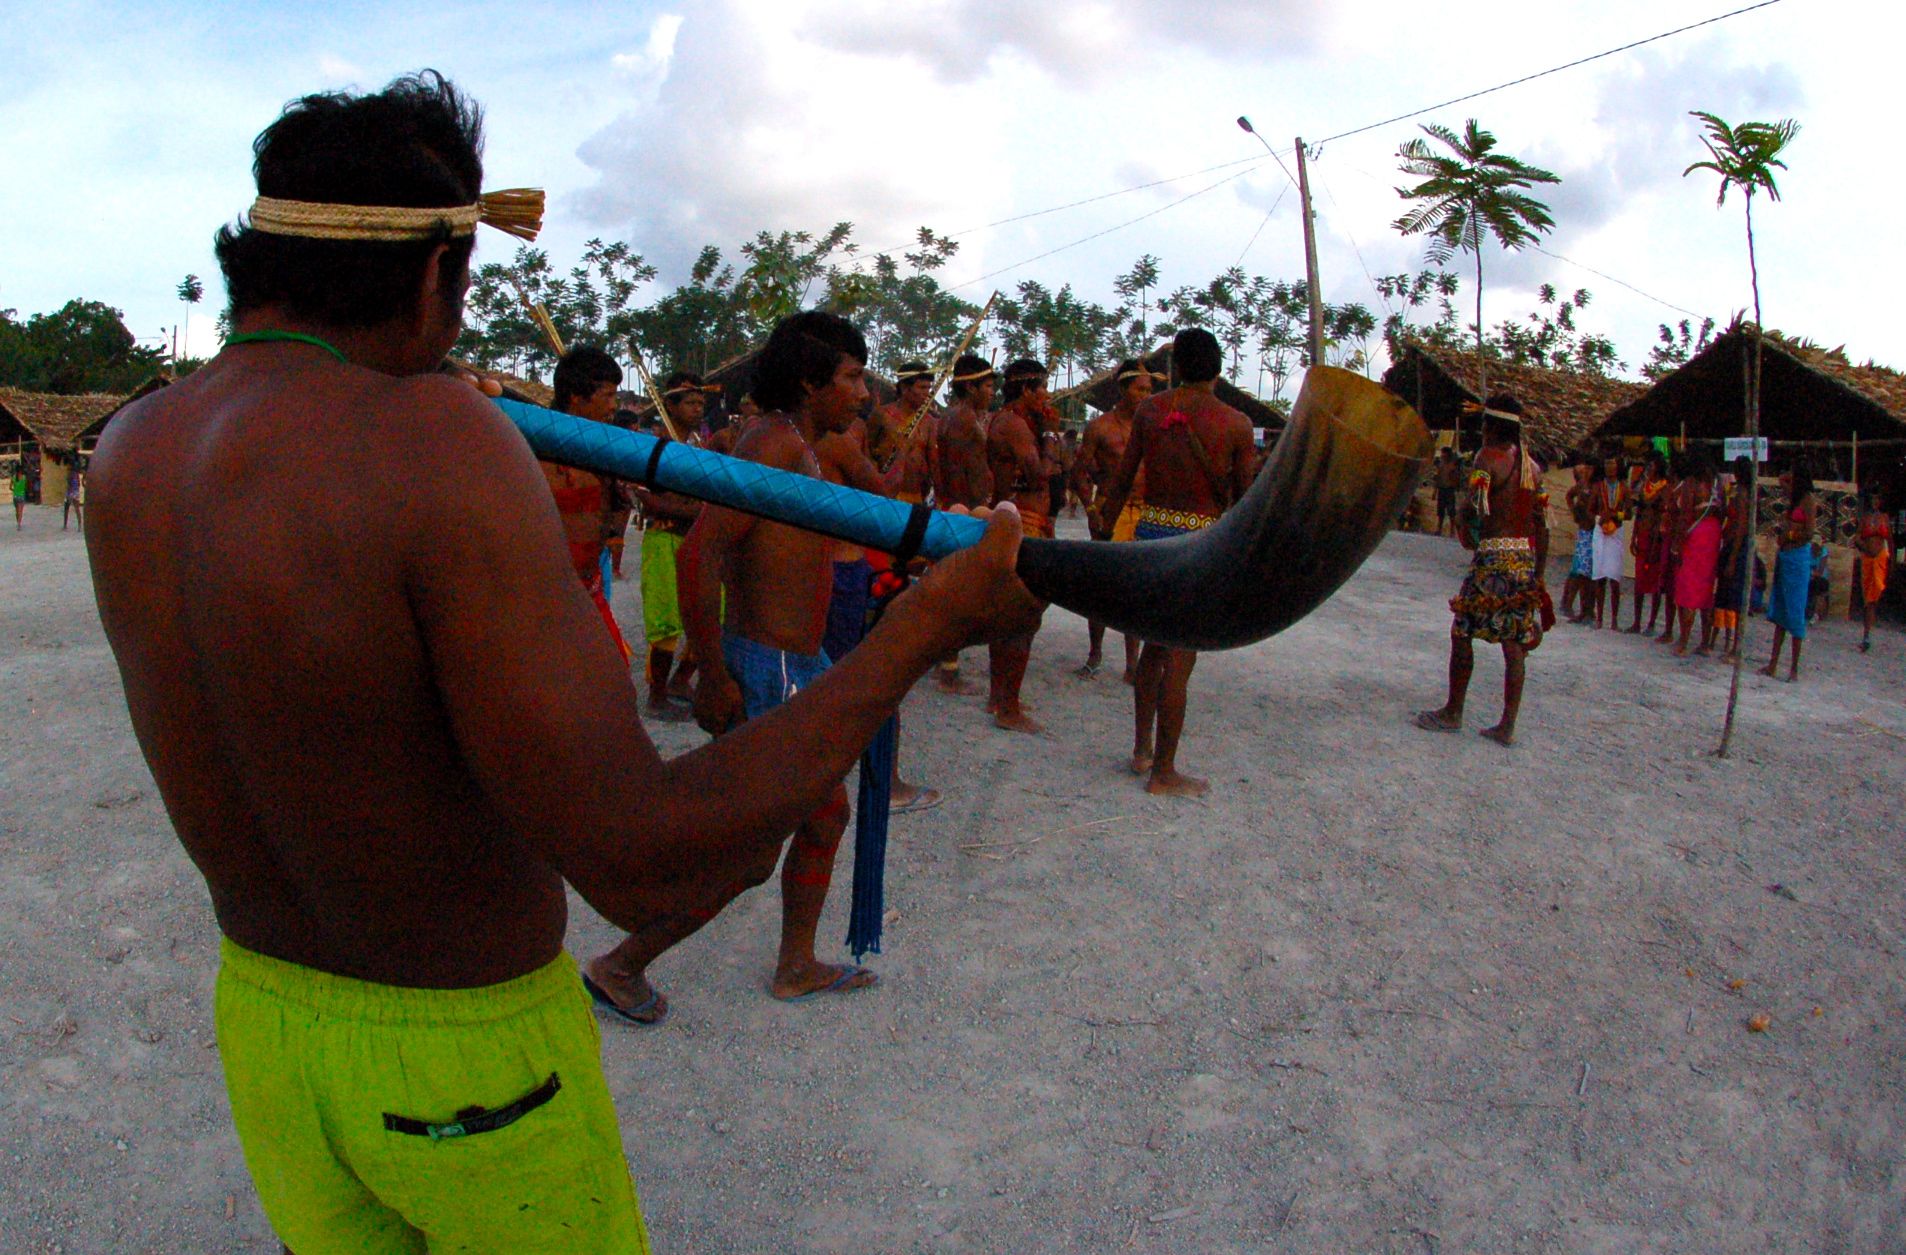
1472, 407
988, 373
685, 389
516, 210
1140, 372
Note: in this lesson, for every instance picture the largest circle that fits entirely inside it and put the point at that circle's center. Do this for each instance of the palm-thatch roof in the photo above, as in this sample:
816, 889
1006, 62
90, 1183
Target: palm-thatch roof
1101, 392
55, 422
1806, 393
1562, 408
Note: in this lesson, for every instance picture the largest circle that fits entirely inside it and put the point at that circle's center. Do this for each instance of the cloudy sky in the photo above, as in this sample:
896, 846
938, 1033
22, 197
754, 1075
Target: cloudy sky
125, 133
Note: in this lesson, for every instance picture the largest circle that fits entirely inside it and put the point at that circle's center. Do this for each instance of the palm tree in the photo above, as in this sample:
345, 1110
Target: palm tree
1468, 196
1746, 157
191, 291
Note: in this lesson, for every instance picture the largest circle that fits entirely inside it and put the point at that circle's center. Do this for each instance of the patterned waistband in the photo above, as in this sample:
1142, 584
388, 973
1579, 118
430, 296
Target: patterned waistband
1183, 520
1504, 544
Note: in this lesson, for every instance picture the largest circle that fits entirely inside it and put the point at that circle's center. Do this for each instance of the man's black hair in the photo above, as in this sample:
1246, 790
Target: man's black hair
969, 364
681, 379
803, 352
417, 143
1743, 468
907, 372
1196, 355
1124, 368
1022, 375
1802, 482
1494, 428
581, 371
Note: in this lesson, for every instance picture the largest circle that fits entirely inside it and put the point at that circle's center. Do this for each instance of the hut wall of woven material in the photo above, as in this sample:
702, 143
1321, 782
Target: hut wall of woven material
1101, 392
1562, 408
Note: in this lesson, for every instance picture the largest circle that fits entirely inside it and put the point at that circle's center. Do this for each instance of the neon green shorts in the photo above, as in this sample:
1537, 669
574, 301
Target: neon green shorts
661, 603
376, 1118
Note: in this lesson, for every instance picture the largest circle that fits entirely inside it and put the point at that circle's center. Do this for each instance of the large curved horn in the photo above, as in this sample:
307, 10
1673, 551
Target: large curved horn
1336, 481
1335, 484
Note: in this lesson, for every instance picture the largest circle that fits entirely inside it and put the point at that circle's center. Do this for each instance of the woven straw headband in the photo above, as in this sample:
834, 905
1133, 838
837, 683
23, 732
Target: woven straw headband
517, 211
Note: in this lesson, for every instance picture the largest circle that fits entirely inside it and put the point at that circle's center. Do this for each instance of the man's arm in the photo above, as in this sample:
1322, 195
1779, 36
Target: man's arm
1083, 464
542, 709
668, 505
1243, 459
1119, 487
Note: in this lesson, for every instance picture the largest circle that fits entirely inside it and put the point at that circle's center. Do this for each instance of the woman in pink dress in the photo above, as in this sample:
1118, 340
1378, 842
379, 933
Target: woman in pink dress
1700, 555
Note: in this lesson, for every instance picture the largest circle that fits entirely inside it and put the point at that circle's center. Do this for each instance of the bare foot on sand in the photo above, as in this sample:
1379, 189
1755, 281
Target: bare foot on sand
1172, 784
1500, 734
1681, 651
1635, 630
1437, 721
1142, 764
951, 683
814, 977
1017, 721
1768, 671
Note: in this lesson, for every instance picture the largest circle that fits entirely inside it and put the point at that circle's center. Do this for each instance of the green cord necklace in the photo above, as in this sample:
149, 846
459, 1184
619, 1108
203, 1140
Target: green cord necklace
274, 336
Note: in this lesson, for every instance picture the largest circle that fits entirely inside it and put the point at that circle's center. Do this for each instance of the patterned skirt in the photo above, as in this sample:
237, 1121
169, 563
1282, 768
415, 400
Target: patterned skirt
1500, 600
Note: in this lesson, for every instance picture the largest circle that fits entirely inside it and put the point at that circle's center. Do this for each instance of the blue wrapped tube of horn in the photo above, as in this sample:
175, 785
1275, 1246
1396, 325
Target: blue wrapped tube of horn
1336, 481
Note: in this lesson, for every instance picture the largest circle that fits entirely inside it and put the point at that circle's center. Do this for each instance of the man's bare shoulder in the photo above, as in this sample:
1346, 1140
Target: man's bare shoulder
775, 442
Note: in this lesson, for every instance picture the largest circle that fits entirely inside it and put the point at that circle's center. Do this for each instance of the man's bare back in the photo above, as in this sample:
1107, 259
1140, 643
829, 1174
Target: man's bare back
1177, 477
251, 581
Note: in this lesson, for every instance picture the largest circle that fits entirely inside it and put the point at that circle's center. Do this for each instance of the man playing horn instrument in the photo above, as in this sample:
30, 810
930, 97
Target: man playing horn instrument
888, 425
387, 725
1501, 599
1198, 456
1098, 460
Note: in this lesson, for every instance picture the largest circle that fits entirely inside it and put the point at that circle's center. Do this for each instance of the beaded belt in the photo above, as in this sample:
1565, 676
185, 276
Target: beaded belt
1500, 544
1183, 520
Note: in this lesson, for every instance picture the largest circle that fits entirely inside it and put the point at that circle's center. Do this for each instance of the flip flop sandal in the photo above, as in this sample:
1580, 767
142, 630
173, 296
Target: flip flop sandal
628, 1015
839, 985
924, 800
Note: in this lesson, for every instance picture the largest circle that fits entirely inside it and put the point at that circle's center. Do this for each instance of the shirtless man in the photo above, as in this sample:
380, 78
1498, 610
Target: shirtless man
961, 475
669, 516
888, 424
1098, 459
387, 757
586, 383
1020, 475
1198, 456
811, 381
1500, 600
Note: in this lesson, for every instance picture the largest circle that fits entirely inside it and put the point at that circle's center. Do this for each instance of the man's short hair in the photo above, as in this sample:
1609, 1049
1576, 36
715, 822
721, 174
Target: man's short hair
907, 372
418, 143
1196, 355
581, 371
681, 379
1022, 374
969, 372
803, 352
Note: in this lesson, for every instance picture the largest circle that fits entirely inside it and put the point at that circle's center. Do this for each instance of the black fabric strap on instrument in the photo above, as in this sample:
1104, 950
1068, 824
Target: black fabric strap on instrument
655, 460
475, 1119
909, 547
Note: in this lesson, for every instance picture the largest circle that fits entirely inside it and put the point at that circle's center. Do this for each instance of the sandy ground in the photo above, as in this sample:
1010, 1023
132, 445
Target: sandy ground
1383, 990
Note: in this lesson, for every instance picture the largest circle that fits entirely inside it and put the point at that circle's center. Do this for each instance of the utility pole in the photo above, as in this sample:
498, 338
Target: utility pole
1310, 260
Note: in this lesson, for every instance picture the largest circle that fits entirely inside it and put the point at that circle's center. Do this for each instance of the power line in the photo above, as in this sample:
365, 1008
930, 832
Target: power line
1382, 299
1107, 231
1529, 78
1040, 213
1262, 223
1622, 282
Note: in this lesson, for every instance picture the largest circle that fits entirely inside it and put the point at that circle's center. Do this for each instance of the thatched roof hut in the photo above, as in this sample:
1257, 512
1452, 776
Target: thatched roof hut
1563, 408
55, 423
1101, 392
1807, 393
